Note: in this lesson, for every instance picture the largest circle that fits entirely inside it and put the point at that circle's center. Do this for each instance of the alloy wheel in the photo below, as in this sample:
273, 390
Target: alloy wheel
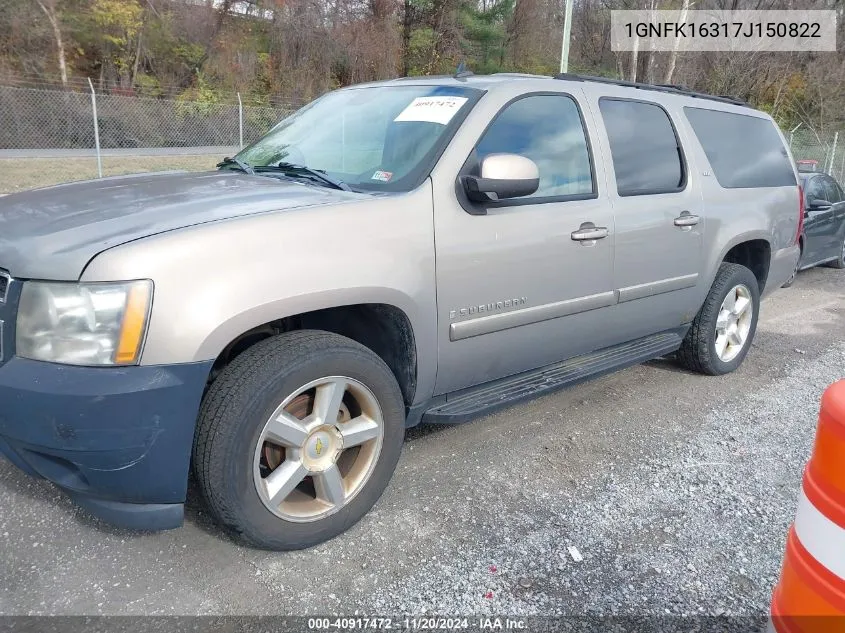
734, 323
318, 449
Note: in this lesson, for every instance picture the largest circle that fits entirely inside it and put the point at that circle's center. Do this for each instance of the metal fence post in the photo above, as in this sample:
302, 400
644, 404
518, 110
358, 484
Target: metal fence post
792, 133
96, 129
833, 153
240, 121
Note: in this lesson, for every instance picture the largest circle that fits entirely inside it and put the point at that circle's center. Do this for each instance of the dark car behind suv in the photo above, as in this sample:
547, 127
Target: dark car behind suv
823, 238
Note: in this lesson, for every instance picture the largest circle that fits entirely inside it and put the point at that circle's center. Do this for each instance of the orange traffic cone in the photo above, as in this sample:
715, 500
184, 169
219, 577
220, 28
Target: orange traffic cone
810, 596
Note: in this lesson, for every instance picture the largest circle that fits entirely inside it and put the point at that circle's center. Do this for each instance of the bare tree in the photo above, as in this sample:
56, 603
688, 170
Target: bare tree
673, 55
635, 54
49, 9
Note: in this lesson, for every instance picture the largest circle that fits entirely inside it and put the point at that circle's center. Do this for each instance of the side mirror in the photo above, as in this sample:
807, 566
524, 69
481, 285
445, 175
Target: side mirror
503, 176
817, 204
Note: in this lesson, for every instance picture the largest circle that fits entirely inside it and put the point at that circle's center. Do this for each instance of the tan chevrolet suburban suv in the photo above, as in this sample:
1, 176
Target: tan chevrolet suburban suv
424, 249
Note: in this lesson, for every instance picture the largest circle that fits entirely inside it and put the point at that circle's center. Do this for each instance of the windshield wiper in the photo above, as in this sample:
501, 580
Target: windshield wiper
302, 170
226, 162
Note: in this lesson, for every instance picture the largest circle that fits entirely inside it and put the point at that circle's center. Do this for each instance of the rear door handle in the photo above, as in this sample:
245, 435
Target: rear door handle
589, 232
686, 220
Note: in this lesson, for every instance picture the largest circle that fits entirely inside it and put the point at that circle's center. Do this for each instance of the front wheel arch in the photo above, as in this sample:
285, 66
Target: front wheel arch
383, 328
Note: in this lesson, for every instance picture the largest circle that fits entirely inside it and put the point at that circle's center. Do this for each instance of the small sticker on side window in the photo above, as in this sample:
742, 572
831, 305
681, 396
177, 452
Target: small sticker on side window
382, 176
432, 109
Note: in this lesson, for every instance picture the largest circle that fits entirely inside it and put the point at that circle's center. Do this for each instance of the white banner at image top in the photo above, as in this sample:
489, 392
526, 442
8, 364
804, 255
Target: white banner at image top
723, 30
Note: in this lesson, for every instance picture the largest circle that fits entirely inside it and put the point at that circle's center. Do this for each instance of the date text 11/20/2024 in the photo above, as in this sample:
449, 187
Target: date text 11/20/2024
421, 623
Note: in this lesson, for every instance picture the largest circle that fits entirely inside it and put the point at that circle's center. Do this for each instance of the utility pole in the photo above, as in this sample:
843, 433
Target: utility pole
567, 31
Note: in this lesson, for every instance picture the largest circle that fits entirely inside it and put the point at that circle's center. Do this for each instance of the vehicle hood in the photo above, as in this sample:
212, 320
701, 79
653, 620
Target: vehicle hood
53, 233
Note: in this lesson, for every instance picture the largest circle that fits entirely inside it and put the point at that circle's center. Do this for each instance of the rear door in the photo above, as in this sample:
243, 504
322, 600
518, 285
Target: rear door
658, 214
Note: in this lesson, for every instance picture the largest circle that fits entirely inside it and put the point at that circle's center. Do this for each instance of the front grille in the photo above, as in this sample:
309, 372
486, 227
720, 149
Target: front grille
4, 285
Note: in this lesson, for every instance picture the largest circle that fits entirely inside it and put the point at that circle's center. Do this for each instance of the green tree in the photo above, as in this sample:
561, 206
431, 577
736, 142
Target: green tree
119, 25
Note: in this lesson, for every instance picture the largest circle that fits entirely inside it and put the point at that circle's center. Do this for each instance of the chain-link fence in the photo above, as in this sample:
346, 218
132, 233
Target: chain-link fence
58, 119
40, 119
823, 152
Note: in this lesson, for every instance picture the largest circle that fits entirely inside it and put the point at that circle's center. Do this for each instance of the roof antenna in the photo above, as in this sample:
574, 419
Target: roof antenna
461, 71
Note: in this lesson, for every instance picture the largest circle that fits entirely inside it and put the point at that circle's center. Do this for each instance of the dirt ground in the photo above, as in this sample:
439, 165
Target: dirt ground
19, 174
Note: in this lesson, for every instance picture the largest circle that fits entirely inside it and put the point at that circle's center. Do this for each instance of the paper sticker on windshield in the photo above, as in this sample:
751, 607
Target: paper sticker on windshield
382, 176
432, 109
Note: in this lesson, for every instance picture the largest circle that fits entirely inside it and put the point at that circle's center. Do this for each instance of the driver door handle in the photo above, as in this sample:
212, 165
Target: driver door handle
590, 232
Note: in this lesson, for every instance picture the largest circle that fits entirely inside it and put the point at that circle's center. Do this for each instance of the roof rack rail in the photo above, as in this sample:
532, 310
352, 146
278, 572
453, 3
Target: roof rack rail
668, 88
461, 72
519, 75
418, 77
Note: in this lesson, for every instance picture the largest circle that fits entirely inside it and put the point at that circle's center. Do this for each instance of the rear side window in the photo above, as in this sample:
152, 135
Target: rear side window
646, 154
744, 151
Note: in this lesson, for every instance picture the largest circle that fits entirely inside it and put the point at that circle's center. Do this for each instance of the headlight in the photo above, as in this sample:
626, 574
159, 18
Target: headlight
83, 324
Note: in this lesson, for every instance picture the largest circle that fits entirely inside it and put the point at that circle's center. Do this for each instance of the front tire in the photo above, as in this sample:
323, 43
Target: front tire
297, 439
721, 334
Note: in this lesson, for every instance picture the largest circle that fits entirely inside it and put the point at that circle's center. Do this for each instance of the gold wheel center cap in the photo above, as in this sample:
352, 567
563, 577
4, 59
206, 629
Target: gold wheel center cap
322, 448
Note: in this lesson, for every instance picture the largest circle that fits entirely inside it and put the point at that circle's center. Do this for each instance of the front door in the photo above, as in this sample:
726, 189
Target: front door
819, 225
515, 289
834, 196
838, 199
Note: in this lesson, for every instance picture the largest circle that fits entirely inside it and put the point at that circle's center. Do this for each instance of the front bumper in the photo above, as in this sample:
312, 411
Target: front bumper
116, 439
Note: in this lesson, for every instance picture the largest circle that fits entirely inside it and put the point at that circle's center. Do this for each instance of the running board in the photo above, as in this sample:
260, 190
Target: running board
467, 404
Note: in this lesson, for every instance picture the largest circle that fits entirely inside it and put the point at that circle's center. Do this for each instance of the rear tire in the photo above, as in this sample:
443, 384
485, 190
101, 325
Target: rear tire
705, 349
334, 389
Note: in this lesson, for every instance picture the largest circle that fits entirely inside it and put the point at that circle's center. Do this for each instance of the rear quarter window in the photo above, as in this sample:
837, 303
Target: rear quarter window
744, 151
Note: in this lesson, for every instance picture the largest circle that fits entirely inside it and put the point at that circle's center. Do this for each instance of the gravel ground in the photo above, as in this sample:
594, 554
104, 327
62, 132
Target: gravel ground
676, 491
693, 528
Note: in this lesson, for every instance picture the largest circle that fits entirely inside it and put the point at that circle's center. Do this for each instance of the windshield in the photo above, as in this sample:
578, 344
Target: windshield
384, 138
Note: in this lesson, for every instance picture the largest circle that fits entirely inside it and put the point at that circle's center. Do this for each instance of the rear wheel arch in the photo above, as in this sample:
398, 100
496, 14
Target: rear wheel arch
755, 253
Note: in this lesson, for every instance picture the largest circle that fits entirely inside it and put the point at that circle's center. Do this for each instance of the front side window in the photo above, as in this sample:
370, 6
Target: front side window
831, 191
384, 138
645, 150
548, 130
816, 190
